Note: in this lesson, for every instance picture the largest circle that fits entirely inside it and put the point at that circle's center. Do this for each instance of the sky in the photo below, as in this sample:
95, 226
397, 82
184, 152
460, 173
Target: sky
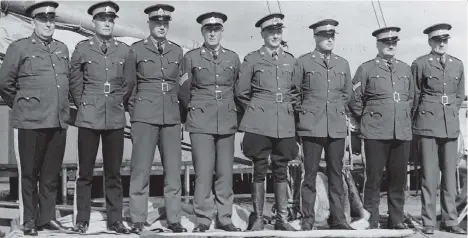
356, 19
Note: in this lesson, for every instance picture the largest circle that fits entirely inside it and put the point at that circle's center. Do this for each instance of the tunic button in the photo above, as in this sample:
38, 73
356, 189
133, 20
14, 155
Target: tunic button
445, 84
277, 67
328, 101
34, 56
139, 99
279, 88
328, 90
162, 68
328, 70
107, 95
277, 77
217, 75
107, 69
393, 82
146, 60
56, 74
105, 57
53, 65
27, 98
217, 86
329, 80
84, 104
58, 86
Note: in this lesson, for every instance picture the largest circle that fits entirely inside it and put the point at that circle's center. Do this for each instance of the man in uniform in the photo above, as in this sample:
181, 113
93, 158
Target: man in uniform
382, 101
34, 84
154, 73
267, 90
212, 71
440, 89
98, 87
326, 89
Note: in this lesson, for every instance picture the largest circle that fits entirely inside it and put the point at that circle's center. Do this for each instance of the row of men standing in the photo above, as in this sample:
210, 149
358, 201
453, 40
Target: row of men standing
275, 94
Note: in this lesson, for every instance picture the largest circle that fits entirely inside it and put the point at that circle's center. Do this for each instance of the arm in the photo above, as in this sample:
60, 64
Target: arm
76, 77
347, 89
185, 82
461, 88
297, 82
130, 80
412, 94
359, 87
416, 80
243, 85
9, 74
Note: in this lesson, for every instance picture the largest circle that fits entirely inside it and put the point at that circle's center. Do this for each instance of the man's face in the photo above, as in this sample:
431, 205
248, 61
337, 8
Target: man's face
44, 25
272, 37
158, 28
439, 45
212, 34
104, 25
325, 41
387, 48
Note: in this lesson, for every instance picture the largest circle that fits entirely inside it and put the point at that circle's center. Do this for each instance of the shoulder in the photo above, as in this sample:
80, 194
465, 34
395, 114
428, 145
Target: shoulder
421, 59
122, 44
174, 44
231, 53
456, 60
83, 43
401, 63
192, 52
304, 56
340, 59
251, 55
289, 54
369, 63
19, 42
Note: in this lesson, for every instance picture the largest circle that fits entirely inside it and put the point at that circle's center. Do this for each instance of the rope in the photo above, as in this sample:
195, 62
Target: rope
381, 12
279, 5
375, 12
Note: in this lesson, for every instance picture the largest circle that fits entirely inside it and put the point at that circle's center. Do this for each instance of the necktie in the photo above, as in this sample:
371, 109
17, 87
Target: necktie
104, 47
442, 61
214, 54
274, 55
325, 60
390, 65
160, 48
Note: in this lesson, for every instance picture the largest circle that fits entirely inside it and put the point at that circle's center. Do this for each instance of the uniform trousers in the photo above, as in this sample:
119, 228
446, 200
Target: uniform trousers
334, 152
112, 153
145, 137
41, 154
259, 148
393, 155
213, 154
439, 155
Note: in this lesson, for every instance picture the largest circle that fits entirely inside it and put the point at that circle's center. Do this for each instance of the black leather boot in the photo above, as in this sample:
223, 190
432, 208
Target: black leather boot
281, 198
258, 199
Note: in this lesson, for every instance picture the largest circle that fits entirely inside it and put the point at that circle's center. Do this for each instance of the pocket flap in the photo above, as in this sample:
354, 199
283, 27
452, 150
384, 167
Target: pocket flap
88, 101
118, 61
144, 97
29, 94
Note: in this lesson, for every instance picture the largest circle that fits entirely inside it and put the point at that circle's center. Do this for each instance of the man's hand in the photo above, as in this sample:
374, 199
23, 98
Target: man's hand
353, 124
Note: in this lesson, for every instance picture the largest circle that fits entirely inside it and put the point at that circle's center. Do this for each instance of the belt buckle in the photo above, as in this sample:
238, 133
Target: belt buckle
165, 87
107, 87
396, 97
279, 97
218, 95
444, 99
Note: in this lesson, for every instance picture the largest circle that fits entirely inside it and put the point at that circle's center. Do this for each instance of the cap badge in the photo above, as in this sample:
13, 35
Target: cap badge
47, 9
440, 32
161, 12
328, 27
107, 9
275, 21
212, 20
390, 33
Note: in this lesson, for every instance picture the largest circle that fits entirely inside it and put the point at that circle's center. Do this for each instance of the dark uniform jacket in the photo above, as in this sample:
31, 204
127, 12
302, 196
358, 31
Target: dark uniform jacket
439, 94
211, 106
383, 100
154, 78
34, 83
97, 84
326, 90
267, 90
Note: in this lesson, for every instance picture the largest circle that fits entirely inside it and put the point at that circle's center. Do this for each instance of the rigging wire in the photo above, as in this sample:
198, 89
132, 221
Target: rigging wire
279, 5
375, 12
381, 12
268, 4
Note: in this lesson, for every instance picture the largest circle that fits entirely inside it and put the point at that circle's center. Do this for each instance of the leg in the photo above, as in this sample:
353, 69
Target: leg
112, 153
312, 147
31, 146
448, 163
144, 139
88, 144
257, 148
203, 156
334, 153
396, 166
286, 149
171, 156
429, 181
50, 171
376, 156
223, 178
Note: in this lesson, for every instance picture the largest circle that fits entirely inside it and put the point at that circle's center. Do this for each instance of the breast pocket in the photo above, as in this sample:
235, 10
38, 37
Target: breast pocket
172, 69
314, 79
149, 67
403, 83
339, 79
62, 65
117, 65
201, 74
435, 82
36, 63
88, 111
92, 68
379, 84
228, 72
262, 76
